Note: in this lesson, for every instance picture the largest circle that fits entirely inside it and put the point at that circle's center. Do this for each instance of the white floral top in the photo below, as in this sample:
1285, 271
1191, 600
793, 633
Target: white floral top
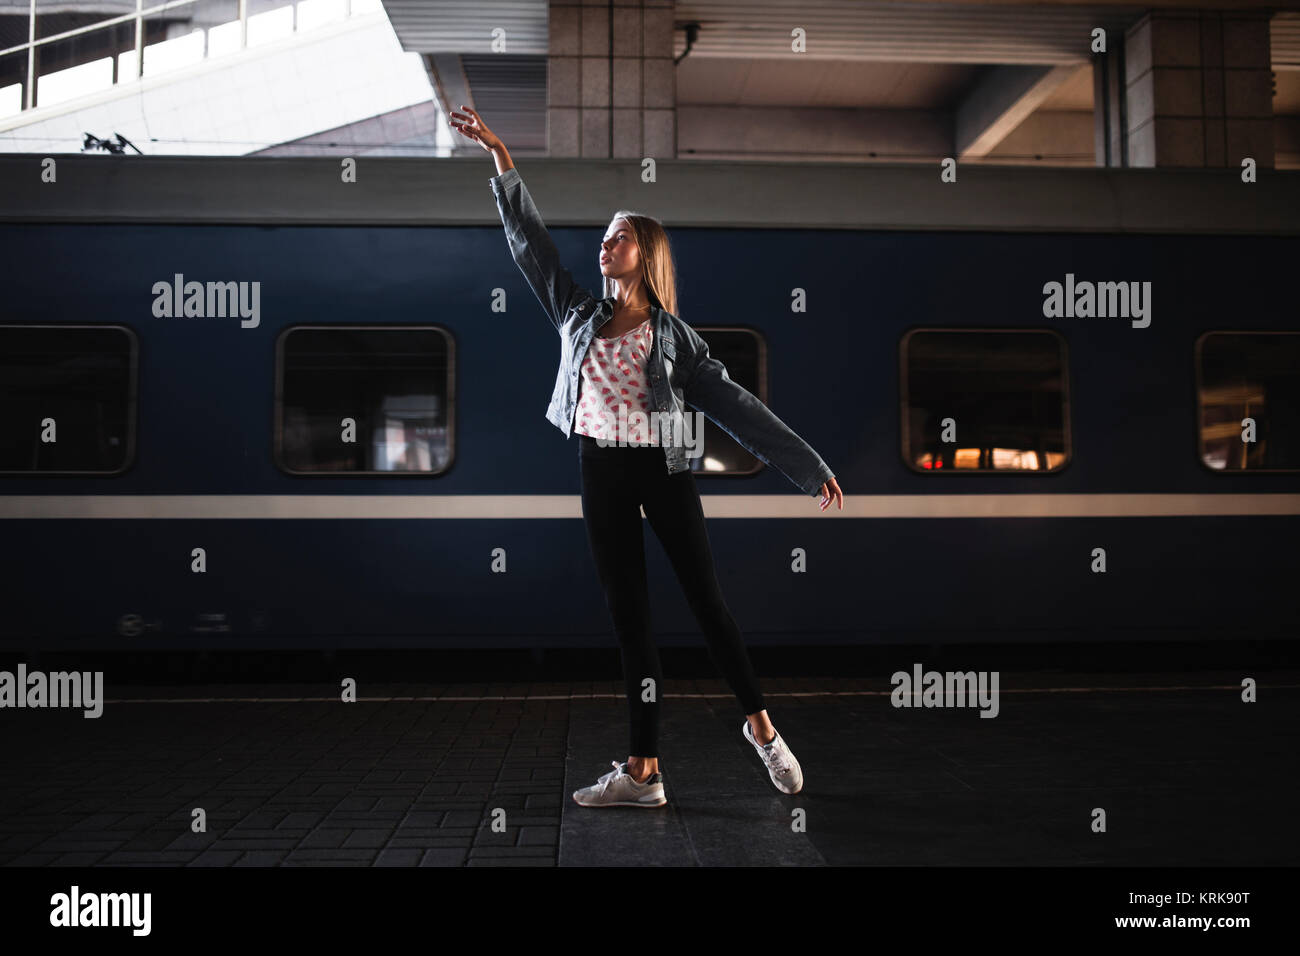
613, 375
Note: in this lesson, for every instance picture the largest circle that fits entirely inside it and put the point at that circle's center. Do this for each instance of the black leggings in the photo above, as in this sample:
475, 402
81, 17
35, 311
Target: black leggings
616, 483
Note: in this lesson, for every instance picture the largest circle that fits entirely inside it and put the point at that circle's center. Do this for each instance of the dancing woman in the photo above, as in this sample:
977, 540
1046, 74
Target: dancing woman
627, 359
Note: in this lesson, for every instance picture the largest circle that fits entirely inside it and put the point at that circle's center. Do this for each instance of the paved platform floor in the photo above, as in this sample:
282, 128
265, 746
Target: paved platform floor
1186, 773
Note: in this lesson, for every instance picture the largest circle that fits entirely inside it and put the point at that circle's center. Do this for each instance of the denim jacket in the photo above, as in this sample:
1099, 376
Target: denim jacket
680, 368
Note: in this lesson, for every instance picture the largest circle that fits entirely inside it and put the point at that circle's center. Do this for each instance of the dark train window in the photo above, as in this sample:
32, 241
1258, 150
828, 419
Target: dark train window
1248, 375
67, 399
984, 400
744, 353
364, 400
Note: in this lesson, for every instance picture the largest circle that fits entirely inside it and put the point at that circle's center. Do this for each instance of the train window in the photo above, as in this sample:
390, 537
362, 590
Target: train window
68, 394
1248, 400
744, 353
364, 400
981, 400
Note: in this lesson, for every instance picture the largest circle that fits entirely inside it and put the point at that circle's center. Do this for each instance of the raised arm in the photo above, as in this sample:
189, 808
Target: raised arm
751, 423
530, 242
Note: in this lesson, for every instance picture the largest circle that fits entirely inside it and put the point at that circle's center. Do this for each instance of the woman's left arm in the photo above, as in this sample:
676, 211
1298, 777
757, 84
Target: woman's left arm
740, 413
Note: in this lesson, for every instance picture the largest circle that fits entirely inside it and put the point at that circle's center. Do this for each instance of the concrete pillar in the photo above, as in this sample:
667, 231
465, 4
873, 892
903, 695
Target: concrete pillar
1199, 89
611, 89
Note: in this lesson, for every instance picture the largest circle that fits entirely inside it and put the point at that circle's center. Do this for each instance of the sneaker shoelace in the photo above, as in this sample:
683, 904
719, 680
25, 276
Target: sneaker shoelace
609, 777
775, 759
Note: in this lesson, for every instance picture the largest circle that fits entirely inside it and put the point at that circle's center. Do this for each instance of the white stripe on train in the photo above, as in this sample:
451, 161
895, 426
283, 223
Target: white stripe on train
793, 505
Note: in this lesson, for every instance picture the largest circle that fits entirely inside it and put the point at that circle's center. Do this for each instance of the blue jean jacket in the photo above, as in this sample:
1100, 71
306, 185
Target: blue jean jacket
681, 370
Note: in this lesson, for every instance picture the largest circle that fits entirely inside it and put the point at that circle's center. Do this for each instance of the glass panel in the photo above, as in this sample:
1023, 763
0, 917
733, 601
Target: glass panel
90, 62
13, 89
181, 37
744, 353
1253, 375
982, 400
393, 384
79, 65
69, 398
268, 21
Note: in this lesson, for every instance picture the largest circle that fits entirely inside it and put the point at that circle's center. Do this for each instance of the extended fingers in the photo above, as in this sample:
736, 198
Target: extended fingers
465, 128
831, 492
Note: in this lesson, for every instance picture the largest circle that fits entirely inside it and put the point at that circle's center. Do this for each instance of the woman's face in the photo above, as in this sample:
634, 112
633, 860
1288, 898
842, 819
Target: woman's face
619, 258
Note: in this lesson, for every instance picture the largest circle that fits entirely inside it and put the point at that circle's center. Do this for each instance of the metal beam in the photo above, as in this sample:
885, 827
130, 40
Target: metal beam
1000, 102
451, 90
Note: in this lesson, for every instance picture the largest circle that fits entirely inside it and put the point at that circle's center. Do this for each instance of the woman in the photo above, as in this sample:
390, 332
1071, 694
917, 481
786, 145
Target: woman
626, 354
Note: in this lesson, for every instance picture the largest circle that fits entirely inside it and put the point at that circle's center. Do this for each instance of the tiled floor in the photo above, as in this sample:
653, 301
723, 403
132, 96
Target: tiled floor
288, 777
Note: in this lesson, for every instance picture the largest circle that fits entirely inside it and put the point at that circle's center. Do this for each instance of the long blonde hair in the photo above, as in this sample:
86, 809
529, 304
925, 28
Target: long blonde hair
657, 271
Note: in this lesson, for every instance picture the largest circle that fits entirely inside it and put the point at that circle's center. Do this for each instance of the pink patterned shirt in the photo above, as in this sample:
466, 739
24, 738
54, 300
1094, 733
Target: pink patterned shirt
613, 374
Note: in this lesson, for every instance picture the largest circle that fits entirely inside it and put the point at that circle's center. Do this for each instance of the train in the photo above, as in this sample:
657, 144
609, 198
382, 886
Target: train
249, 407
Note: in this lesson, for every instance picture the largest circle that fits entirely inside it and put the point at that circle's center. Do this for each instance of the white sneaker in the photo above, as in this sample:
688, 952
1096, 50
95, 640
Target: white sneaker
781, 765
618, 788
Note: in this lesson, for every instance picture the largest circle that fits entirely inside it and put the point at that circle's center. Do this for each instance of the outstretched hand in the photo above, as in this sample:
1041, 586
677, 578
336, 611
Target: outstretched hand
830, 491
472, 127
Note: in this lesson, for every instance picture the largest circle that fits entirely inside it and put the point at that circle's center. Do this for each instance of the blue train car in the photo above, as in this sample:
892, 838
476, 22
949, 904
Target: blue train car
1062, 405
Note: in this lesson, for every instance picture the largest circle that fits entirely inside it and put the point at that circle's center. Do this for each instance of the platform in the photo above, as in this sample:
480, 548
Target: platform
1186, 773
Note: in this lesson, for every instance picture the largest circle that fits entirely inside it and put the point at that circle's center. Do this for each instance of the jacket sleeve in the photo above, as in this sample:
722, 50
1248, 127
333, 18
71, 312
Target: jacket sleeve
739, 413
532, 248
